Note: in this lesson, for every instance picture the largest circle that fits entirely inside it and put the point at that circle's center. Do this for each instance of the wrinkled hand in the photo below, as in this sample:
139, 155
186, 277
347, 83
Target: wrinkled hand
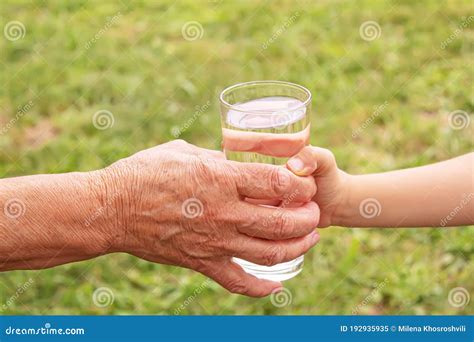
182, 205
331, 182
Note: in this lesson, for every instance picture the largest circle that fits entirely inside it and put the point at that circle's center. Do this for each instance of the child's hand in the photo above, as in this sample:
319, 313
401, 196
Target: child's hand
433, 195
330, 181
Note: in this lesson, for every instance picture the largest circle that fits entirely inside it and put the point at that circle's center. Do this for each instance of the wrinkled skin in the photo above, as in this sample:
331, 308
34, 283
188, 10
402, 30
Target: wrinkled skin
183, 205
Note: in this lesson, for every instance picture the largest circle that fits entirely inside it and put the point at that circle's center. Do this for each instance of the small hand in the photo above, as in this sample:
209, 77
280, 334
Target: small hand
330, 181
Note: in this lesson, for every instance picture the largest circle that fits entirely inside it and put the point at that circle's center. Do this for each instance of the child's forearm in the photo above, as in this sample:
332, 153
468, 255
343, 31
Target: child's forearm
441, 194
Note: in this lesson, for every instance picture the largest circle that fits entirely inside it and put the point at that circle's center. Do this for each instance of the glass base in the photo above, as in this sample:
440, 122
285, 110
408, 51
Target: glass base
280, 272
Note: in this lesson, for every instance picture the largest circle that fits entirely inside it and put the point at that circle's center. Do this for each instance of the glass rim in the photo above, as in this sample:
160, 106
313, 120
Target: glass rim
265, 111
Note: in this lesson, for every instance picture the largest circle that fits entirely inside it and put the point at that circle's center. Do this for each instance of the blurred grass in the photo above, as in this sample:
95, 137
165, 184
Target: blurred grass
153, 81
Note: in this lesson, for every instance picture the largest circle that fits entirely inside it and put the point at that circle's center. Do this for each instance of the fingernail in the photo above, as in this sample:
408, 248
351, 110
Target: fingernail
296, 164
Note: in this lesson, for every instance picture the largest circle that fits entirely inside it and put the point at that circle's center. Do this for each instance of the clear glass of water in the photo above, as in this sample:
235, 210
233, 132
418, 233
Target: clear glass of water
266, 122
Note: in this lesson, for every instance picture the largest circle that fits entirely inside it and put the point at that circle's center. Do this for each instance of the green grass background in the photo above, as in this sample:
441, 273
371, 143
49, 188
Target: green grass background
153, 80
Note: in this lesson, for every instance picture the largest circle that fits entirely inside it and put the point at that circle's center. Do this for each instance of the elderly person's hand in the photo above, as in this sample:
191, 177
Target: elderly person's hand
184, 205
172, 204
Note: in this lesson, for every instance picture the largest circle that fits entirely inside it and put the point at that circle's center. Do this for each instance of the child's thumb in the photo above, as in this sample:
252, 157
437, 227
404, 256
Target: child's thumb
304, 163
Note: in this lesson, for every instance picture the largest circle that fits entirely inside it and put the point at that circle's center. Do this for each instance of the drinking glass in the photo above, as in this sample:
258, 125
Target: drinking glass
266, 122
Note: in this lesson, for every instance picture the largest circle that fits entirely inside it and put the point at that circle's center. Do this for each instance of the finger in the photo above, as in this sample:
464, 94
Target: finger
213, 153
263, 181
176, 144
205, 154
311, 160
269, 253
291, 204
233, 278
304, 163
187, 148
268, 202
277, 223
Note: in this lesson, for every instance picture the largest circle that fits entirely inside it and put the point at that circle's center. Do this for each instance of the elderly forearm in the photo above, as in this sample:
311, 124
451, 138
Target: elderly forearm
47, 220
